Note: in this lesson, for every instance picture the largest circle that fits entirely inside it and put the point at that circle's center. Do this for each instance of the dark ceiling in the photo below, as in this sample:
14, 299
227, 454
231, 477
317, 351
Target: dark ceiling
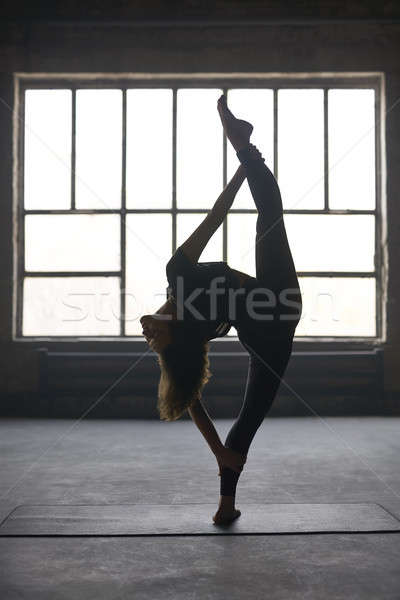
213, 10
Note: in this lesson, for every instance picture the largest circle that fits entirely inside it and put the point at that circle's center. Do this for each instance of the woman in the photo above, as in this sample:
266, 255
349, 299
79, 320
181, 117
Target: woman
206, 299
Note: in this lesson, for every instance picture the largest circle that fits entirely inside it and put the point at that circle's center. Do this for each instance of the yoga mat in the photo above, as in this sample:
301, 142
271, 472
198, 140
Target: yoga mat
195, 519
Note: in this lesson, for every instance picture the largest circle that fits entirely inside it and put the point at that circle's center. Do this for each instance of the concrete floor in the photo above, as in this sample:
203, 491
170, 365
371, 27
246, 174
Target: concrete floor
291, 460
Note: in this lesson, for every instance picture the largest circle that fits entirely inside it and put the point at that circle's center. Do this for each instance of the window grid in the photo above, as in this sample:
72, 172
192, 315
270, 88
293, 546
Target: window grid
226, 85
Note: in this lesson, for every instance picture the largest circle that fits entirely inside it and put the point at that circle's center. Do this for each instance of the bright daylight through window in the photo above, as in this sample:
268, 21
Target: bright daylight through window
112, 180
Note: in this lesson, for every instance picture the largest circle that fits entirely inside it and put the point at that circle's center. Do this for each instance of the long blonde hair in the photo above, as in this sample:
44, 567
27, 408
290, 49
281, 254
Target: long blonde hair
185, 370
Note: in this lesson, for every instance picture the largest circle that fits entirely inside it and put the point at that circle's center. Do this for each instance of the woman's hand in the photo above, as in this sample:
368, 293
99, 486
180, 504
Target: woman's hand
254, 152
226, 457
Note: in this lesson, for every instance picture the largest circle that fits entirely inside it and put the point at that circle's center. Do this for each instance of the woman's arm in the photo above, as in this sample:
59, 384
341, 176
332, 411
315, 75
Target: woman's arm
202, 419
168, 309
196, 243
225, 456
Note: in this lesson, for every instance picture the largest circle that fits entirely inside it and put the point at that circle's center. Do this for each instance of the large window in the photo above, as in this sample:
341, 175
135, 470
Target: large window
113, 175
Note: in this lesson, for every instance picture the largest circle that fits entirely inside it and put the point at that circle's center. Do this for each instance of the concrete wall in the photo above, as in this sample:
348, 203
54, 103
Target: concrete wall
338, 42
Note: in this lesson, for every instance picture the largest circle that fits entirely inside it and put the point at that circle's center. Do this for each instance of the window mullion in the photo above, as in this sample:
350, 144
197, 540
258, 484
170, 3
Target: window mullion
275, 133
326, 155
224, 182
72, 273
174, 162
123, 221
73, 149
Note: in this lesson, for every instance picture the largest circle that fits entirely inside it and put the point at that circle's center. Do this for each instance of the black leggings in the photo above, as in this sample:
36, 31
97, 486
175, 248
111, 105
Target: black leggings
269, 344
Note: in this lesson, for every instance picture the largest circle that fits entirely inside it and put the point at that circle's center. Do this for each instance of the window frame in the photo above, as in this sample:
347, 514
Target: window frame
24, 81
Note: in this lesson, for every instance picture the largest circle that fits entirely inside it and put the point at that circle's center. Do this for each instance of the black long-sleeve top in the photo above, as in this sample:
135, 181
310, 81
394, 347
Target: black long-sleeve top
192, 283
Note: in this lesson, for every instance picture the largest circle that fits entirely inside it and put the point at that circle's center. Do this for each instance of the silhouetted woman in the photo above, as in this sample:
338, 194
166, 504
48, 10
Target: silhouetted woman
205, 299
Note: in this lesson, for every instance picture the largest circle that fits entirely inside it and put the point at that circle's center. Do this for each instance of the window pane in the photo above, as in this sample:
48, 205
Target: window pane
337, 306
241, 242
72, 243
187, 223
148, 249
199, 148
47, 162
98, 148
71, 306
301, 148
257, 107
351, 138
332, 242
149, 148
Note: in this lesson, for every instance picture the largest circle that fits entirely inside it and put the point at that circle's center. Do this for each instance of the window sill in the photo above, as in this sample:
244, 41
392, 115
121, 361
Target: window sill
137, 344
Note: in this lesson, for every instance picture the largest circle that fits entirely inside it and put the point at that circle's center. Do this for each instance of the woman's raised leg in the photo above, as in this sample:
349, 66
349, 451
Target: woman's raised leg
268, 358
274, 270
274, 262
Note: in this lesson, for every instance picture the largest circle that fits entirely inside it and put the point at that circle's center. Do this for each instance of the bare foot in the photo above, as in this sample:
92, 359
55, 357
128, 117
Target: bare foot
224, 516
237, 131
226, 512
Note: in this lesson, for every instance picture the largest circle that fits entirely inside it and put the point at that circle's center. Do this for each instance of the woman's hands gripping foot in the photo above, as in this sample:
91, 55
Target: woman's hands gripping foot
237, 131
226, 457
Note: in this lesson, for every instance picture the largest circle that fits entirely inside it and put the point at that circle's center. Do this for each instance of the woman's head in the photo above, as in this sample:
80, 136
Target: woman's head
185, 370
157, 331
